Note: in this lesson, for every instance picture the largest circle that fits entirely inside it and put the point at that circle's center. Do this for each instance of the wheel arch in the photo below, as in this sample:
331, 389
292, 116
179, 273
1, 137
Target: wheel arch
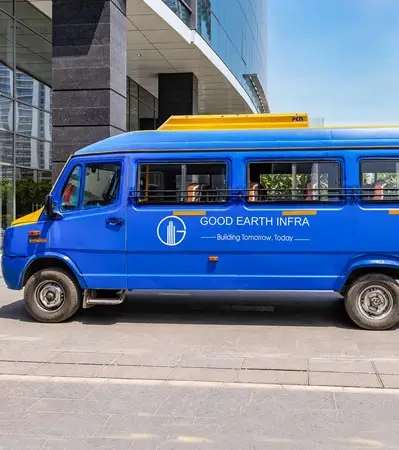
53, 261
359, 268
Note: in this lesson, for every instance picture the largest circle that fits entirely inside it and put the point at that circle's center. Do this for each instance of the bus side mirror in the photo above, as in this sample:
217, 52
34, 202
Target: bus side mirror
48, 206
51, 209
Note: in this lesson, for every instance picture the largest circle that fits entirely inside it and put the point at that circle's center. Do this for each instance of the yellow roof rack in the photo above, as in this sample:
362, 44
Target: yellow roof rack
236, 122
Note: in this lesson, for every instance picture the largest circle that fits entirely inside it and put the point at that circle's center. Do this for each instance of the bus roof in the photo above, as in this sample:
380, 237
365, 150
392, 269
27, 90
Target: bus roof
175, 135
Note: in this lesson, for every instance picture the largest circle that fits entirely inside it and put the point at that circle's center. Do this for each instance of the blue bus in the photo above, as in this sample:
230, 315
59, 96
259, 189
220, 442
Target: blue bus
257, 203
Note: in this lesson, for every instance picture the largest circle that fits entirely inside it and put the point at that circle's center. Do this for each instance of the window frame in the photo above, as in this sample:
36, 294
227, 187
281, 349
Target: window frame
180, 162
363, 200
65, 184
102, 163
340, 189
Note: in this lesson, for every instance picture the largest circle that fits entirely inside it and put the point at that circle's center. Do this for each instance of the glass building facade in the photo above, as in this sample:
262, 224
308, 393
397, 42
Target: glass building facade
25, 109
236, 31
141, 108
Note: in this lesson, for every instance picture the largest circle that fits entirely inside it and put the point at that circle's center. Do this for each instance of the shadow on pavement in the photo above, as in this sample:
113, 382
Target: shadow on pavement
272, 309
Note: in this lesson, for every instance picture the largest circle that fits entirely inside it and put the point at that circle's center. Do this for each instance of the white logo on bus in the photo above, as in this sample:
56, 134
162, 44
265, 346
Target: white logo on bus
171, 231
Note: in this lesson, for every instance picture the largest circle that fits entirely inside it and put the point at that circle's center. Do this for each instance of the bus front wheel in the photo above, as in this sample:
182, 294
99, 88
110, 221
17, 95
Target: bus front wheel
372, 302
52, 296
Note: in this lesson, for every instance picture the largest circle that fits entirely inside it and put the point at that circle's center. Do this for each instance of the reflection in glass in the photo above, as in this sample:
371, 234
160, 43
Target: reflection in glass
32, 186
29, 15
32, 122
6, 147
204, 19
133, 114
30, 136
34, 54
33, 91
32, 153
180, 8
141, 108
146, 117
238, 37
7, 6
6, 113
6, 198
146, 97
133, 87
6, 53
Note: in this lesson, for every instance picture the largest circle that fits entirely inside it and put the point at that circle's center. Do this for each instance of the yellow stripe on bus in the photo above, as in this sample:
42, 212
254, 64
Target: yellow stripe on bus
394, 211
299, 213
28, 219
189, 213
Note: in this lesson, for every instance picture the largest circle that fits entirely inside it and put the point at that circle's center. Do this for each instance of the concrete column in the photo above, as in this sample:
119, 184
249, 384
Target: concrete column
177, 95
89, 74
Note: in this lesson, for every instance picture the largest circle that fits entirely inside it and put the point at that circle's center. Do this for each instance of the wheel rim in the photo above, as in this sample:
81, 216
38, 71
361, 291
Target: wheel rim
375, 302
50, 296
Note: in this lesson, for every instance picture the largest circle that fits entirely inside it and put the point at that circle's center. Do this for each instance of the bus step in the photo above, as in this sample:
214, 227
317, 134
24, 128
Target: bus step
103, 297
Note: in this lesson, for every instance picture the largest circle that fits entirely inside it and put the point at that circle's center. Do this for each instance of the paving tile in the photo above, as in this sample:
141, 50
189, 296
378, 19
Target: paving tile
203, 374
8, 426
56, 443
140, 406
272, 377
56, 424
205, 402
341, 365
7, 387
27, 355
85, 358
151, 359
390, 381
387, 367
211, 362
207, 443
49, 389
146, 426
68, 370
142, 397
136, 372
364, 402
265, 400
343, 379
12, 408
17, 368
283, 424
12, 442
275, 363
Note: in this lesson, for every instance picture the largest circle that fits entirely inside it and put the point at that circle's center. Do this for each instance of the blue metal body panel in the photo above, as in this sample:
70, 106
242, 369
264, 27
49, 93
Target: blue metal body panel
259, 246
322, 138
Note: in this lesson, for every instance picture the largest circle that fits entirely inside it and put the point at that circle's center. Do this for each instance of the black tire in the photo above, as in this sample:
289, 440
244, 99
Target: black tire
382, 289
68, 295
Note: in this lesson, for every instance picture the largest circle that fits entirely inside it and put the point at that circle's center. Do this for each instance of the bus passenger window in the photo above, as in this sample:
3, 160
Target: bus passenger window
191, 182
70, 194
101, 184
379, 180
293, 181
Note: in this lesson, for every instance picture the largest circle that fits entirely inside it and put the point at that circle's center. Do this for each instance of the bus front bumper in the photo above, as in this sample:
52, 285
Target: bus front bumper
12, 269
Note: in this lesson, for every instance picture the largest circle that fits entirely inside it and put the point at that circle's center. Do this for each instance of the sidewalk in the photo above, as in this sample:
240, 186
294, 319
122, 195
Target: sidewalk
153, 338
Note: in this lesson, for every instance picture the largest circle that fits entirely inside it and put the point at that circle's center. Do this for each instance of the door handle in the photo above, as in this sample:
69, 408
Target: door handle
114, 221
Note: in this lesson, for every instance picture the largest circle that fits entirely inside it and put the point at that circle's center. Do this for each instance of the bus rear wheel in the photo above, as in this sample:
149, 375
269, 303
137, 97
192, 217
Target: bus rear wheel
372, 302
52, 296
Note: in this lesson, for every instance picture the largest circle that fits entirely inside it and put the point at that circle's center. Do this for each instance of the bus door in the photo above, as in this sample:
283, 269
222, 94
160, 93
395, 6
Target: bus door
170, 200
91, 231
